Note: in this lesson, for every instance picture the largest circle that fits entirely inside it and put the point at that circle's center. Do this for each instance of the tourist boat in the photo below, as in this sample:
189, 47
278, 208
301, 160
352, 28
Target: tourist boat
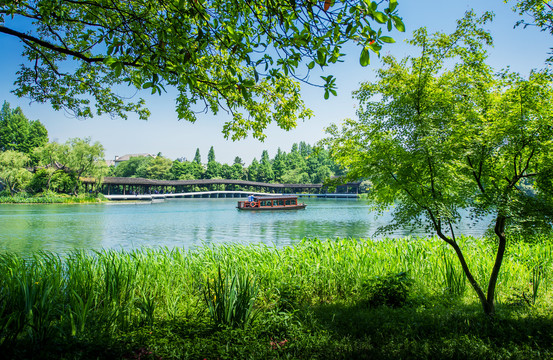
285, 202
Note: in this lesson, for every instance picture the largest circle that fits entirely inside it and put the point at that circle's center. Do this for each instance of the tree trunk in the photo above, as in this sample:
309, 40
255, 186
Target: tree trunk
500, 232
486, 301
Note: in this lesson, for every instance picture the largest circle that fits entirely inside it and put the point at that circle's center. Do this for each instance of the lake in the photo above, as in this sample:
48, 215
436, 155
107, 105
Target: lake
183, 223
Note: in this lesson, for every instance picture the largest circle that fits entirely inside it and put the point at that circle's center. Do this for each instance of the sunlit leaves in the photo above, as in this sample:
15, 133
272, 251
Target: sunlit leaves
82, 54
329, 86
437, 140
398, 23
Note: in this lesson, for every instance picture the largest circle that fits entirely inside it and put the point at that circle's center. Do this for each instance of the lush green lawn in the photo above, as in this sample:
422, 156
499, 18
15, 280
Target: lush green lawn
335, 299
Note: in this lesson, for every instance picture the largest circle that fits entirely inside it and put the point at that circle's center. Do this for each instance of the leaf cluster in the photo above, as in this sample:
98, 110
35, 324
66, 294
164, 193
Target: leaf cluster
236, 56
434, 138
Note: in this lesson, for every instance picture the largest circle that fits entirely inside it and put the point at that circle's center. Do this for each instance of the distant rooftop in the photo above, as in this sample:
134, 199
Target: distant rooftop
129, 156
126, 157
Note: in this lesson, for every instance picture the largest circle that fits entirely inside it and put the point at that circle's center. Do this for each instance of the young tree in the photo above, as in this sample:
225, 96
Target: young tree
237, 171
179, 169
434, 140
196, 170
232, 55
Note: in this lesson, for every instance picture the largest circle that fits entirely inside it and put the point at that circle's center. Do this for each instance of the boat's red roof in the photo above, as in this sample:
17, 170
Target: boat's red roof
279, 197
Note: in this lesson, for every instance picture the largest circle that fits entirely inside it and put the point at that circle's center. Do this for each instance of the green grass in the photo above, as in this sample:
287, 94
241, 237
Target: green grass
315, 300
50, 198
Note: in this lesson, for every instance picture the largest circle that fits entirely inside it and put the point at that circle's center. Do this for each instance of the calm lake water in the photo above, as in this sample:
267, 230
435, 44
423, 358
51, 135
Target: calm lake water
183, 223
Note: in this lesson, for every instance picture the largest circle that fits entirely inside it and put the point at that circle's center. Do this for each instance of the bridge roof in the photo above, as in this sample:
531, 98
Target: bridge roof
201, 182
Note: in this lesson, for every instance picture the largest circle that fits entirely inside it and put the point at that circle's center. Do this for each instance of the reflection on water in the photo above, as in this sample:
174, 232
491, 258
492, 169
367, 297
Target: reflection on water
182, 223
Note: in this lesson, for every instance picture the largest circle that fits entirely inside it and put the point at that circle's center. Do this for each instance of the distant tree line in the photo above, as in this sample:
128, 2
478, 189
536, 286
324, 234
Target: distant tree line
304, 164
30, 163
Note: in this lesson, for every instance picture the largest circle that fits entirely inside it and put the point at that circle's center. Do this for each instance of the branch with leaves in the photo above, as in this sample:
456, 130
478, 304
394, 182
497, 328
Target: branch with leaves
226, 55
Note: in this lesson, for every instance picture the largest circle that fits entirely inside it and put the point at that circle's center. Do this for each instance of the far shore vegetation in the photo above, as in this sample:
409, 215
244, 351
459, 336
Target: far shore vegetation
50, 197
34, 170
317, 299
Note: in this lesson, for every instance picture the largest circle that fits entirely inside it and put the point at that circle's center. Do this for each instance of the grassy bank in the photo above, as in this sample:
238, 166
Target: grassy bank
50, 198
335, 299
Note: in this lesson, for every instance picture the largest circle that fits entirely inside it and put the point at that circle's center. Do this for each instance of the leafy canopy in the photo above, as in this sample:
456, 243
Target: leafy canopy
18, 133
434, 138
239, 56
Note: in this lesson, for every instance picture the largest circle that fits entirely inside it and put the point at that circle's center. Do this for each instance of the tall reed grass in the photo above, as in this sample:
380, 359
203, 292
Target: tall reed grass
92, 296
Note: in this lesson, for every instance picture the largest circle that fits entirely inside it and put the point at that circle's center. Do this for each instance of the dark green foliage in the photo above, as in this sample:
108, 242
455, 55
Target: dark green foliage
390, 290
19, 133
288, 297
305, 164
39, 182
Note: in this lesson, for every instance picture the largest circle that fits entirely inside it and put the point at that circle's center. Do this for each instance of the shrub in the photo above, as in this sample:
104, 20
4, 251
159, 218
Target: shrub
391, 290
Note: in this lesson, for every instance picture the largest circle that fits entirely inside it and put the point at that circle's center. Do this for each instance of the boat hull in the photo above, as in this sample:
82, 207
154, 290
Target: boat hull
269, 208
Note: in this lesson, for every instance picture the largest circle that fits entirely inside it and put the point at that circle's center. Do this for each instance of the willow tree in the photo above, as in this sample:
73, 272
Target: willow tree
442, 132
13, 174
240, 56
78, 158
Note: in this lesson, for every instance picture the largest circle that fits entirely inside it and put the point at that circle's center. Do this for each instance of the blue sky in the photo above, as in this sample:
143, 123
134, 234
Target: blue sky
521, 49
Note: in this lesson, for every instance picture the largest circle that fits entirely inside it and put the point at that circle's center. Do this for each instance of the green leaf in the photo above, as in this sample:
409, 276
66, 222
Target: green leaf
393, 5
380, 17
311, 65
117, 69
387, 39
245, 93
398, 23
365, 58
321, 57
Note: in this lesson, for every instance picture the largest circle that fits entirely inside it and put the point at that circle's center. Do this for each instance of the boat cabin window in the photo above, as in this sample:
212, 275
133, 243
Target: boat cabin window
287, 202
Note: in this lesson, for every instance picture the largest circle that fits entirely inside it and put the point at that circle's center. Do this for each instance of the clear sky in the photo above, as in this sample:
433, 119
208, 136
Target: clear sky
521, 49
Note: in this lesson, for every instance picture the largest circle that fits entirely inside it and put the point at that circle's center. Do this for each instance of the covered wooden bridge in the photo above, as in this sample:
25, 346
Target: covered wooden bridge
124, 186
